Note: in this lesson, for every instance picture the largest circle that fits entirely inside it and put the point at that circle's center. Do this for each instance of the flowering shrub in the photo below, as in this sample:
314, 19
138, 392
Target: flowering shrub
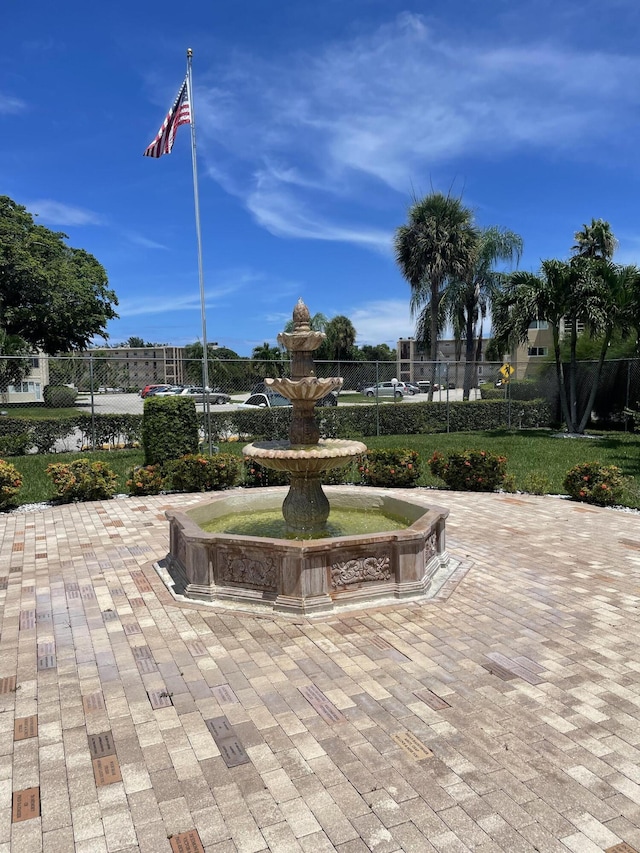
198, 473
10, 482
390, 468
593, 483
470, 471
82, 480
145, 480
257, 475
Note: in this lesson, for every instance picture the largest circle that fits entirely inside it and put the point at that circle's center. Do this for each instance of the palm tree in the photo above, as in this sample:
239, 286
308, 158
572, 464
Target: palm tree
268, 361
437, 245
341, 338
595, 241
467, 301
602, 296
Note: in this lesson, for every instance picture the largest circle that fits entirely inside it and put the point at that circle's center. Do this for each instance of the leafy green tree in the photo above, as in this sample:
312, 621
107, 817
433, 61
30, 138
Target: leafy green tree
340, 340
135, 341
56, 298
268, 361
468, 300
436, 246
377, 352
227, 370
589, 290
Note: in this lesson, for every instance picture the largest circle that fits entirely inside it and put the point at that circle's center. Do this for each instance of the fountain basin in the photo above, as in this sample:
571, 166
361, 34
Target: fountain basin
310, 576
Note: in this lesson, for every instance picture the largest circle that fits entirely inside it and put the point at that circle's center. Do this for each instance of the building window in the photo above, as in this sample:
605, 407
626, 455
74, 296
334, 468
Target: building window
539, 325
34, 362
532, 351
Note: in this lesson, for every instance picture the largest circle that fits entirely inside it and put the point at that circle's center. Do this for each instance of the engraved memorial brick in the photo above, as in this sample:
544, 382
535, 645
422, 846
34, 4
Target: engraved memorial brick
131, 628
146, 665
46, 662
412, 745
435, 702
186, 842
101, 745
219, 727
223, 693
8, 685
326, 709
27, 619
232, 751
26, 804
106, 770
159, 699
25, 727
93, 702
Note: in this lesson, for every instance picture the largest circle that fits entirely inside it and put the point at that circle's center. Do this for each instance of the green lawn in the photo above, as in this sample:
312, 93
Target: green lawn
533, 457
40, 413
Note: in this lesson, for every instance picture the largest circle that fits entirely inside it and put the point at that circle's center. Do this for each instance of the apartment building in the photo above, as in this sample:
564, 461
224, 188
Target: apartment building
30, 390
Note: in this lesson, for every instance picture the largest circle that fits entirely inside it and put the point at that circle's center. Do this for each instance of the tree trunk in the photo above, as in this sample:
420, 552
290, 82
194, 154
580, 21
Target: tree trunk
594, 387
562, 391
435, 308
573, 379
468, 355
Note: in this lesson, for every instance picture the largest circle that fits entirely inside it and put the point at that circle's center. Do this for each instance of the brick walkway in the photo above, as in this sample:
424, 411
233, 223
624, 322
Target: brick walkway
504, 718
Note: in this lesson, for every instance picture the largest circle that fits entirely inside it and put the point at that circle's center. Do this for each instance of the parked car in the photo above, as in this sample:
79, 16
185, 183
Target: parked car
385, 389
167, 391
425, 385
413, 388
330, 399
265, 401
216, 395
148, 389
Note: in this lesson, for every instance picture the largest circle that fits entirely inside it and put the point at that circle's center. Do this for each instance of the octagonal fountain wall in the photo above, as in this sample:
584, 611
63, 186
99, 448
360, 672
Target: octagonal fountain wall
313, 575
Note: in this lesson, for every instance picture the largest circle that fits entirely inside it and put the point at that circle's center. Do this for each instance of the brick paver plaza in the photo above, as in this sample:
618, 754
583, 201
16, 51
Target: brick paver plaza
504, 715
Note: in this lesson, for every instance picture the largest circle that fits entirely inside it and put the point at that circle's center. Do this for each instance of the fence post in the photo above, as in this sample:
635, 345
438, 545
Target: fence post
377, 399
447, 381
93, 408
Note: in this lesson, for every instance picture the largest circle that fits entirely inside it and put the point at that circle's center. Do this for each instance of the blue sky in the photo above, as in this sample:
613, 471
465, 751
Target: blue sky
316, 123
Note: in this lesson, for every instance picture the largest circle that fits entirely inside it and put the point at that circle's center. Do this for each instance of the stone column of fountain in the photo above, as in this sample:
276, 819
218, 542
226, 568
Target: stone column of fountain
305, 456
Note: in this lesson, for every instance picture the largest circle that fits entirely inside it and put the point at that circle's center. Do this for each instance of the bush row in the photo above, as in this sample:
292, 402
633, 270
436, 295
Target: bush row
19, 435
474, 470
402, 419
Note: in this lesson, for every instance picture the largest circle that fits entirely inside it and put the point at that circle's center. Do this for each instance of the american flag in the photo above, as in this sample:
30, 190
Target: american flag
180, 113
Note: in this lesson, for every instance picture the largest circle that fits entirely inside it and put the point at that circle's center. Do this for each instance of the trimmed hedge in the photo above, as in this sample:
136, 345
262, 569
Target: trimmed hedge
43, 434
402, 419
169, 429
59, 396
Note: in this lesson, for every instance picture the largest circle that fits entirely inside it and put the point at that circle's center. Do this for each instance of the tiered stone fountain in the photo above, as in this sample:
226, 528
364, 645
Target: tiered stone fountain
310, 572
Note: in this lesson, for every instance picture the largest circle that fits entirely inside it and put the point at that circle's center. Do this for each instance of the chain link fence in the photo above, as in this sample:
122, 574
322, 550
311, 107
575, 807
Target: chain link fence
101, 384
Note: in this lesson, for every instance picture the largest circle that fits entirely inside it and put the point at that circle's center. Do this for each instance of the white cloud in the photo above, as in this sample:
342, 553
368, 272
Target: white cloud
145, 242
11, 105
57, 213
383, 321
305, 140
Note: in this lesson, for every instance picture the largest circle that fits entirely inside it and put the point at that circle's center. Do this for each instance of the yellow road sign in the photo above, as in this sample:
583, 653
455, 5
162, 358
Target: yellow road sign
507, 370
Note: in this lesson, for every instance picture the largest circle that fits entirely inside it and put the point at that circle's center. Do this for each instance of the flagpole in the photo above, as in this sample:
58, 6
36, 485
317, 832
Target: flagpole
196, 199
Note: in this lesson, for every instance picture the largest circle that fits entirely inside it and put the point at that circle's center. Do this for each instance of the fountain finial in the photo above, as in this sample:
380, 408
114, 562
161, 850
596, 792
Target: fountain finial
301, 317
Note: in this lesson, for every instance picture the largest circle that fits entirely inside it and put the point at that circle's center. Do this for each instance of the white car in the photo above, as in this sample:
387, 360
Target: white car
387, 389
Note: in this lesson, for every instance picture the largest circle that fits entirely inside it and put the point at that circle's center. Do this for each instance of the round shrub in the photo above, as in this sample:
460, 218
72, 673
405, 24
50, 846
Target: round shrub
593, 483
59, 396
198, 473
470, 471
10, 482
82, 480
145, 480
390, 468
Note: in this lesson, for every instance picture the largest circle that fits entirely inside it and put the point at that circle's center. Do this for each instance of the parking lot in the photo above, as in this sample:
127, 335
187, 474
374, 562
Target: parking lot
133, 404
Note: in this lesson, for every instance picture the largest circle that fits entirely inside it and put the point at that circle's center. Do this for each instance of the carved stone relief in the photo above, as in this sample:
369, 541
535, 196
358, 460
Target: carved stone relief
360, 571
248, 571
